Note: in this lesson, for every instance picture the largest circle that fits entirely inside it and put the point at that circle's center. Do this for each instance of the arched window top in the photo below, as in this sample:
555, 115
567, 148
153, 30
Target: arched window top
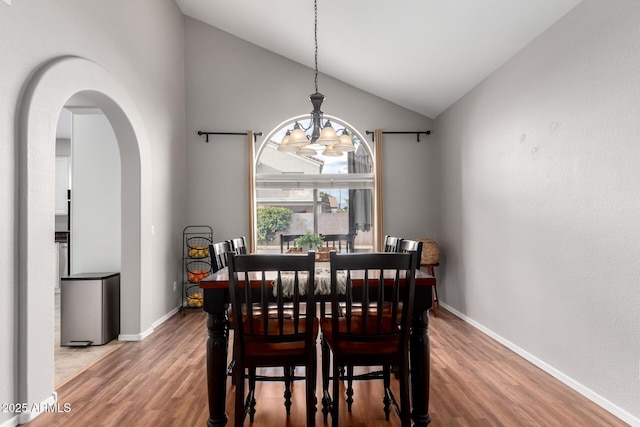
269, 160
295, 193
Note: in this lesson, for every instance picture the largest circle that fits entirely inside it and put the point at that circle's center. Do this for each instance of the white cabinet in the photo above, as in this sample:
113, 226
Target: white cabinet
62, 184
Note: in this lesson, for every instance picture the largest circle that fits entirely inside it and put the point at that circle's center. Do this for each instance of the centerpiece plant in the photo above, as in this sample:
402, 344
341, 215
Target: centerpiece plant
309, 242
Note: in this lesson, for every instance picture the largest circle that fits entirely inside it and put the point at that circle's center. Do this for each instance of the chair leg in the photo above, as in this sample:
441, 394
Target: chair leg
386, 375
349, 387
229, 330
287, 388
434, 292
252, 393
434, 300
335, 404
326, 398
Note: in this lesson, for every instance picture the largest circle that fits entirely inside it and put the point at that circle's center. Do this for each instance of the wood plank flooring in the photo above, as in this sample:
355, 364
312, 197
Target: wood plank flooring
68, 361
475, 381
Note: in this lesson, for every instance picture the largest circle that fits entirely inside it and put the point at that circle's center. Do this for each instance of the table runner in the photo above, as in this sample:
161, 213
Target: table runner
322, 281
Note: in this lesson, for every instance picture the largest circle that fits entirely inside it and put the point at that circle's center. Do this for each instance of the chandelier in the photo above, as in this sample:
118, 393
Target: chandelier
322, 134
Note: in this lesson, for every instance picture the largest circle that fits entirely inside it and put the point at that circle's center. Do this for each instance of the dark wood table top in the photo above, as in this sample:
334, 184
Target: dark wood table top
220, 279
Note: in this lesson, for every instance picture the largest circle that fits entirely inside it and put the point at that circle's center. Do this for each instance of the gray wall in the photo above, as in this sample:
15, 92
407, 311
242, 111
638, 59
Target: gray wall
540, 202
141, 44
234, 86
95, 180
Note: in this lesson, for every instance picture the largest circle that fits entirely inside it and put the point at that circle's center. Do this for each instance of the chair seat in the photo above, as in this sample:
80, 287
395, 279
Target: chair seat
257, 311
380, 346
273, 325
356, 309
262, 350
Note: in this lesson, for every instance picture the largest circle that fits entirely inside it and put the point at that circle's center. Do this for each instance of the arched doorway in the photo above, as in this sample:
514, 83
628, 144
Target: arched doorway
47, 91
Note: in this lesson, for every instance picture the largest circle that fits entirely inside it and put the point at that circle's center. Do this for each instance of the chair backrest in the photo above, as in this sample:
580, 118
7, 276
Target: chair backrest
239, 245
391, 243
277, 283
407, 245
288, 240
375, 283
219, 254
340, 241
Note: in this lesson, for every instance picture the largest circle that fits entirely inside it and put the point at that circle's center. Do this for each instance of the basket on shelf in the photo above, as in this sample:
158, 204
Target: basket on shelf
198, 270
194, 296
198, 246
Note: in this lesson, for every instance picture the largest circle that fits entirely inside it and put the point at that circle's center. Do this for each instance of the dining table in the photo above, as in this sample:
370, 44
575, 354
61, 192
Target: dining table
215, 289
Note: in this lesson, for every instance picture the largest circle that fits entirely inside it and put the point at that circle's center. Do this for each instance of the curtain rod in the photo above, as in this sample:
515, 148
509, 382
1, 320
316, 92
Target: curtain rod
255, 134
426, 132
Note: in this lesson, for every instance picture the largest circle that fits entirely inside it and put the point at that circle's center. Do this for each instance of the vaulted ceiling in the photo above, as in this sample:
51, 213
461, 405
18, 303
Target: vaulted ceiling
420, 54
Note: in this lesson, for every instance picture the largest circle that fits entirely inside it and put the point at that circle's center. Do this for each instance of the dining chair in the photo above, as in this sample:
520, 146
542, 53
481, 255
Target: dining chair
287, 240
340, 241
219, 254
407, 245
239, 245
260, 283
391, 243
384, 283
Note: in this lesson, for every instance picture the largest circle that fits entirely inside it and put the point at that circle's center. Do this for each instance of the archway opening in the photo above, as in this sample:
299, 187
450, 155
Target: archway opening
88, 217
48, 90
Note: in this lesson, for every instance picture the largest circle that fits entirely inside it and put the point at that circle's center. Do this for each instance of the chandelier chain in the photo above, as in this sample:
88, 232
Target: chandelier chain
315, 34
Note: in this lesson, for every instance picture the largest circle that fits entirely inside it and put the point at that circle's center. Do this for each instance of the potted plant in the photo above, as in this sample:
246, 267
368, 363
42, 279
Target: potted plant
309, 242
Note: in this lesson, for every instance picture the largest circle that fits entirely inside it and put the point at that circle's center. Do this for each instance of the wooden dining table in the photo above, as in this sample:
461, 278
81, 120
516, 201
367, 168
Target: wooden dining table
216, 298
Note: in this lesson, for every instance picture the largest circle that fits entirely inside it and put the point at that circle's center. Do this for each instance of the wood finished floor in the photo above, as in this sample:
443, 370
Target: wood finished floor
68, 361
475, 381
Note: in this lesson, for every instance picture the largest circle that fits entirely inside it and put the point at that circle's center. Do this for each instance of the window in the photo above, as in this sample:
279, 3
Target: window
296, 193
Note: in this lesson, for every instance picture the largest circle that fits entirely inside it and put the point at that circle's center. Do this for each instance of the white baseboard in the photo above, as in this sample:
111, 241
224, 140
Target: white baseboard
11, 422
164, 318
32, 411
585, 391
144, 334
135, 337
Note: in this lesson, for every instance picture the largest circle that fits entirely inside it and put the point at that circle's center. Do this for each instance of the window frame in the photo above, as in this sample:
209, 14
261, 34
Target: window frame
367, 180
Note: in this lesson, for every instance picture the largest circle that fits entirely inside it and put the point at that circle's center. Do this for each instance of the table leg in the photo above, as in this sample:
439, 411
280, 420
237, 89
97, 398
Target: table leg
217, 343
420, 368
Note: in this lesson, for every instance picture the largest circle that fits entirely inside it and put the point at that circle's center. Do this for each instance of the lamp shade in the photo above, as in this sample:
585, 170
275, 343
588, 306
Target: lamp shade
346, 144
284, 144
328, 136
306, 151
297, 137
330, 151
